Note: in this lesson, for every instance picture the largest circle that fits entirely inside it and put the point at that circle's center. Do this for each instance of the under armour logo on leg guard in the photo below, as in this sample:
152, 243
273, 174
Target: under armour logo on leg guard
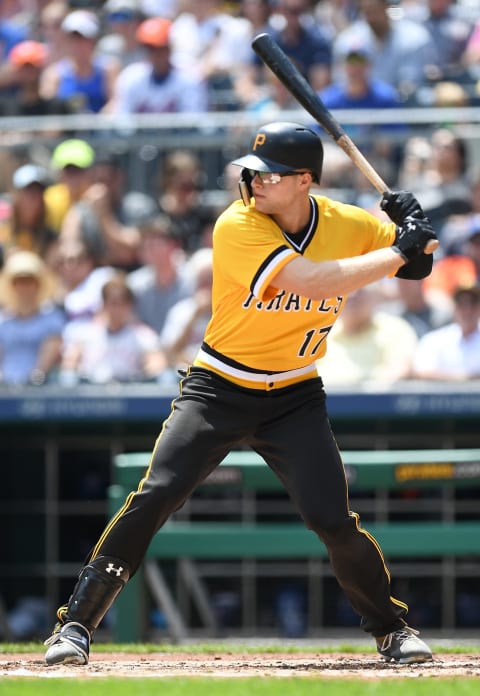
111, 569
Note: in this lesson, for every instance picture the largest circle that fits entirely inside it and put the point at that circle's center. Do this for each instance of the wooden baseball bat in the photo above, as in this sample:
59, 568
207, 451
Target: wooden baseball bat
279, 63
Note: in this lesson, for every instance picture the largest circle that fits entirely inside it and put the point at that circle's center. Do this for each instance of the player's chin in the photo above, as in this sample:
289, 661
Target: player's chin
262, 205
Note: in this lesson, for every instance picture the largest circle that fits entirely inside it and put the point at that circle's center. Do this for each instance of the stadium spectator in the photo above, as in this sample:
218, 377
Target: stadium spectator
471, 55
294, 28
80, 280
49, 31
461, 268
160, 282
446, 93
137, 207
258, 13
9, 68
417, 151
26, 228
180, 185
72, 161
26, 63
368, 344
122, 18
114, 346
450, 32
458, 227
97, 218
213, 45
18, 11
452, 352
444, 189
266, 99
335, 15
187, 320
161, 8
11, 33
82, 77
423, 309
153, 85
23, 70
248, 81
355, 88
403, 52
30, 326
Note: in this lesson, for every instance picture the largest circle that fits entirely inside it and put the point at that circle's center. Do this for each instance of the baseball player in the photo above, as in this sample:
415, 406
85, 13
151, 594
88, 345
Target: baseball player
284, 261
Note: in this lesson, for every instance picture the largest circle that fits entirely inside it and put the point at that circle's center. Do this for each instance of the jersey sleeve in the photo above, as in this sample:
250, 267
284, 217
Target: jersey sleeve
347, 230
249, 249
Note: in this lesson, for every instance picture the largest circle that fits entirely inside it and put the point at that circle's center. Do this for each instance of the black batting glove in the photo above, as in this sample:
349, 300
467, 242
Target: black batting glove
401, 204
418, 268
412, 237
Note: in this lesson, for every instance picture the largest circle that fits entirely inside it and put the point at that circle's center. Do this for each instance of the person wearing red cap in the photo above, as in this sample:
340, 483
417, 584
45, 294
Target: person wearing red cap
23, 73
29, 53
153, 85
23, 53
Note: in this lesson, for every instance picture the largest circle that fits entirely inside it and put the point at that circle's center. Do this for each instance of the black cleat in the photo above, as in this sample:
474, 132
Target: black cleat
69, 645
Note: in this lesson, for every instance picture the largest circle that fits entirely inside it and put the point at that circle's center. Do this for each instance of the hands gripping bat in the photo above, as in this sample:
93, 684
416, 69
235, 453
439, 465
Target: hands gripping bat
273, 56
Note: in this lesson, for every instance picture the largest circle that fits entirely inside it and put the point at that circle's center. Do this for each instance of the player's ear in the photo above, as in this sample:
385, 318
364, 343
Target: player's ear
245, 186
307, 179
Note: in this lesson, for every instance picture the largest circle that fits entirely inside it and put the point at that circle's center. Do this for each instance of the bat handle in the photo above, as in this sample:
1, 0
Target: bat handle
349, 147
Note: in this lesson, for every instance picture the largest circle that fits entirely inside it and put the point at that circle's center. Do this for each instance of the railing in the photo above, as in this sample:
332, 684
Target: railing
227, 132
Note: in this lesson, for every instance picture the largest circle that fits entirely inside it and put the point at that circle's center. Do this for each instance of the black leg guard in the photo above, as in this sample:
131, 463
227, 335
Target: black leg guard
99, 583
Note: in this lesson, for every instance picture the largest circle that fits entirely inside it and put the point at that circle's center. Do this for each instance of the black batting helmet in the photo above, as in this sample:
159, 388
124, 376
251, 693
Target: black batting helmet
283, 146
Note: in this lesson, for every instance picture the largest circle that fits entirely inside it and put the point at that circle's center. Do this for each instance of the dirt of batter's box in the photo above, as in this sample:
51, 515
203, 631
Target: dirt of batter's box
224, 664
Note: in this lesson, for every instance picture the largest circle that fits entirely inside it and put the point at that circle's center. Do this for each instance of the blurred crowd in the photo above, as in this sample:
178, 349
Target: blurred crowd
153, 56
101, 282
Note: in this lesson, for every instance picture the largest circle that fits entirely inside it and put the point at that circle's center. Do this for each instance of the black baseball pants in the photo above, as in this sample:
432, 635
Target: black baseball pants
289, 428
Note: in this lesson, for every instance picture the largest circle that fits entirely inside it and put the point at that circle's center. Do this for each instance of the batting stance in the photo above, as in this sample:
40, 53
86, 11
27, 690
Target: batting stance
284, 262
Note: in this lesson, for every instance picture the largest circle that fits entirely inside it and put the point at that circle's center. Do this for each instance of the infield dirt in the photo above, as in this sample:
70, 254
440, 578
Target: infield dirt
224, 664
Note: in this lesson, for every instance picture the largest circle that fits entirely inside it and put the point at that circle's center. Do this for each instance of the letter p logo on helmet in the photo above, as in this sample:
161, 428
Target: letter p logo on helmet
259, 140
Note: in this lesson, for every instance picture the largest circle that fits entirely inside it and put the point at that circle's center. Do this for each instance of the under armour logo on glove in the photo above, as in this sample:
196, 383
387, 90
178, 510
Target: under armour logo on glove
111, 569
412, 237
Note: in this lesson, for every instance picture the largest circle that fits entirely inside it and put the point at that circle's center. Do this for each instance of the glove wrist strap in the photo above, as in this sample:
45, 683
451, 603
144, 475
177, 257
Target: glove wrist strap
400, 253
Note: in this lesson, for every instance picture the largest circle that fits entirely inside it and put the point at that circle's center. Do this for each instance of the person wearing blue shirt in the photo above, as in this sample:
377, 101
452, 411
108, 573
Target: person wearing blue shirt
294, 28
10, 35
356, 88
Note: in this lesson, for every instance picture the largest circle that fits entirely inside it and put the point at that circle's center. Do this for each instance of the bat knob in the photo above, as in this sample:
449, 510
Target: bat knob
431, 246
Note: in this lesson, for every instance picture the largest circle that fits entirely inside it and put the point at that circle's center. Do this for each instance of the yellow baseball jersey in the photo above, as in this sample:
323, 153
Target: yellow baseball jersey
263, 337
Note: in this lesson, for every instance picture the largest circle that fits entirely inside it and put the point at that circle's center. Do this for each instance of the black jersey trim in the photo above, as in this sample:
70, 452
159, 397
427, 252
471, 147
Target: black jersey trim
302, 239
233, 363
